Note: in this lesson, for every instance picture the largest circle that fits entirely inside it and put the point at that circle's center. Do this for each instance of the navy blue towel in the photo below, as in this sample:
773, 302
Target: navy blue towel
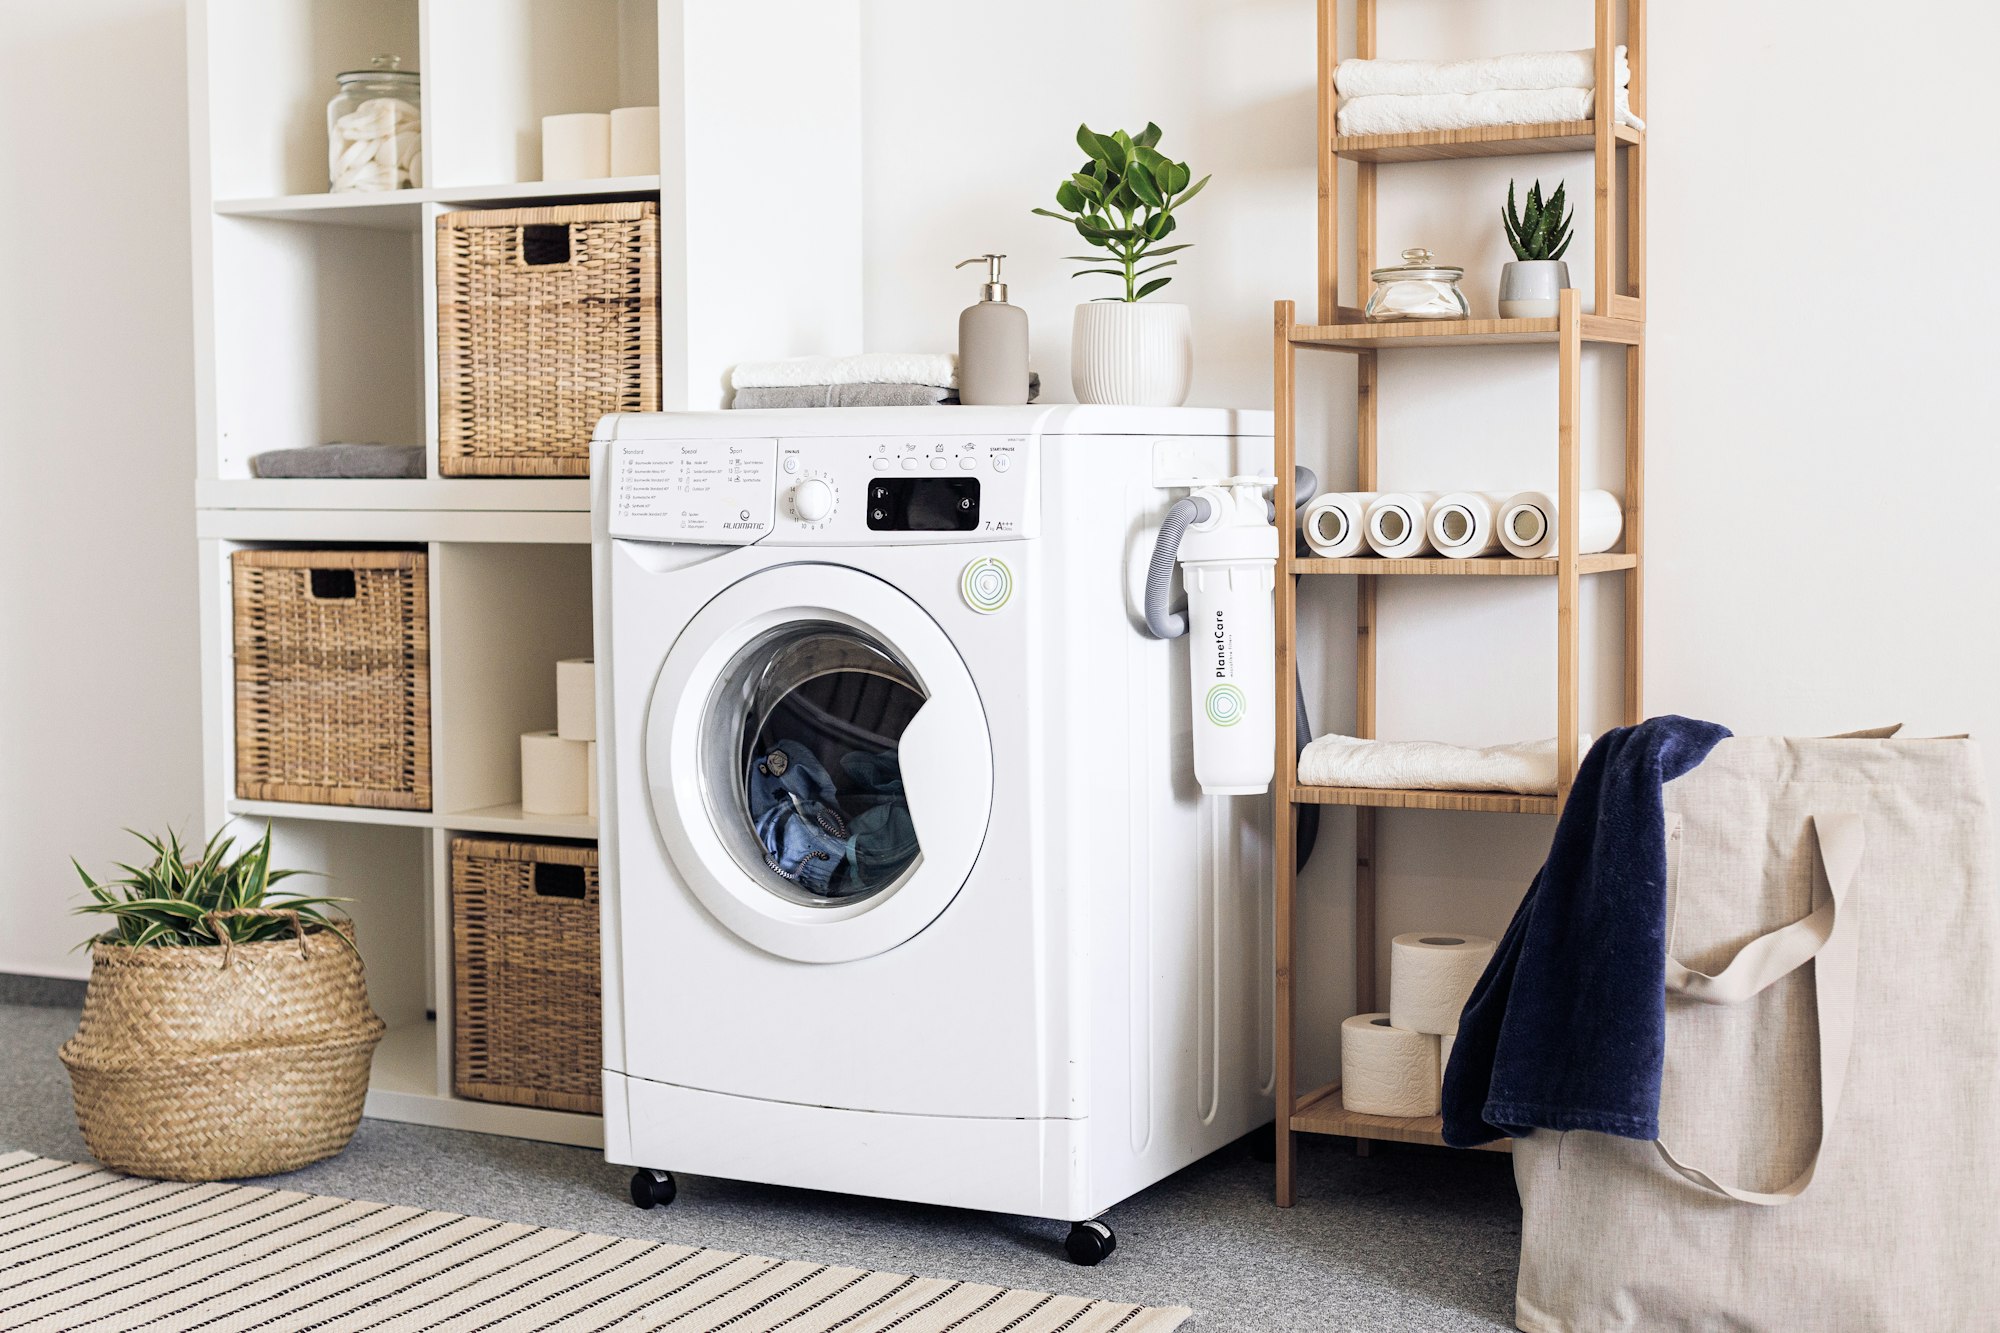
1568, 1027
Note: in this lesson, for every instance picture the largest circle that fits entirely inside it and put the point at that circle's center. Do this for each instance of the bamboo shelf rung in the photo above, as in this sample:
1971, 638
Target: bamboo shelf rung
1323, 1112
1487, 566
1566, 136
1356, 335
1409, 798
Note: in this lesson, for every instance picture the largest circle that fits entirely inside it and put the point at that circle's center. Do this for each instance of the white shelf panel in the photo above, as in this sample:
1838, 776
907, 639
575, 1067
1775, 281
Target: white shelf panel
402, 210
508, 819
406, 1063
331, 814
512, 821
555, 494
517, 1122
393, 525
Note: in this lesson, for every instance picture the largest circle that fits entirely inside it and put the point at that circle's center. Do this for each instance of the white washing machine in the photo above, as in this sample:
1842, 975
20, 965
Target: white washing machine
908, 889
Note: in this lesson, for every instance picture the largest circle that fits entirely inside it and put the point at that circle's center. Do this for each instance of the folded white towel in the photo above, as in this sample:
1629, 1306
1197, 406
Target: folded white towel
1521, 72
1465, 111
1527, 768
934, 368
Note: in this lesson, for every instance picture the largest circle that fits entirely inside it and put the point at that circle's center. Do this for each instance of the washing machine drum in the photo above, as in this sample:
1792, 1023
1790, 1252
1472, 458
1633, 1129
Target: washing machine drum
819, 764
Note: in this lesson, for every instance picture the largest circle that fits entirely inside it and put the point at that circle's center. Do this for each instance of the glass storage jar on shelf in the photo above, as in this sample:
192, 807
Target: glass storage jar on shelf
374, 129
1417, 288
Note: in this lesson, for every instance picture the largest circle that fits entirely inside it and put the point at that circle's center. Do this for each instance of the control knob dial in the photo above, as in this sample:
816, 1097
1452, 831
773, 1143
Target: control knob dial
812, 500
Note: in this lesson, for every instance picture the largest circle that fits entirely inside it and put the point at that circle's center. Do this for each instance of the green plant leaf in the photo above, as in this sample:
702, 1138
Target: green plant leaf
1068, 197
1050, 213
1090, 187
1161, 225
1140, 181
1151, 287
1192, 190
1107, 272
1147, 137
1154, 268
1169, 249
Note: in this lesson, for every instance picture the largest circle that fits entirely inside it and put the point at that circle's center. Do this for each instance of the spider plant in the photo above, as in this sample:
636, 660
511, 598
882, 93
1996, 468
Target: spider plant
1123, 200
172, 899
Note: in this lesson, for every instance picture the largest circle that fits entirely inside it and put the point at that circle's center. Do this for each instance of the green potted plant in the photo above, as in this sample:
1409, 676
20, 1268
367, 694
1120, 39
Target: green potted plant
226, 1031
1531, 286
1124, 348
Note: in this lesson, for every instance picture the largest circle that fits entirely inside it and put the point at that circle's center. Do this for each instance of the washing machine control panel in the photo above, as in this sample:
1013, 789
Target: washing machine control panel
825, 491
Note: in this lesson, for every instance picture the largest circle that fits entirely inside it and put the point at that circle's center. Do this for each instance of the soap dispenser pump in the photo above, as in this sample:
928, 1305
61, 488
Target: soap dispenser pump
992, 344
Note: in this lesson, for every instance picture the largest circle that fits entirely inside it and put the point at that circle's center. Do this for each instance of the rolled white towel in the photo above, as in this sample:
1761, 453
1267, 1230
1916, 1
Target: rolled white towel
1468, 111
1529, 524
1397, 524
1336, 524
934, 368
1525, 768
1523, 71
1464, 524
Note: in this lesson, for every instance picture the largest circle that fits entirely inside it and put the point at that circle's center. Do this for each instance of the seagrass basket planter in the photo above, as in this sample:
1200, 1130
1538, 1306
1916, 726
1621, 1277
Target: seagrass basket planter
548, 319
218, 1062
527, 992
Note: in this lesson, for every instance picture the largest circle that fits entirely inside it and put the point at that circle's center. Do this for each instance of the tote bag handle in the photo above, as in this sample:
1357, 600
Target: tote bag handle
1820, 938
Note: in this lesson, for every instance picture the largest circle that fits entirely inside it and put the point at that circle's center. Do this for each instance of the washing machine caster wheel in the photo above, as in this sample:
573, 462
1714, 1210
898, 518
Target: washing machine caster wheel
1089, 1243
653, 1189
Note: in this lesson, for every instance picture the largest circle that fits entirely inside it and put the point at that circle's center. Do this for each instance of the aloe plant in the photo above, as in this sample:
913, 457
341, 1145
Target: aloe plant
1122, 200
172, 899
1542, 232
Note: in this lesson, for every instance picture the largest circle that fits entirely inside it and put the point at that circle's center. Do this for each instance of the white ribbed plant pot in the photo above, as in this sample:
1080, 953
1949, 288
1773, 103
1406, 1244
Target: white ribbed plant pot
1132, 353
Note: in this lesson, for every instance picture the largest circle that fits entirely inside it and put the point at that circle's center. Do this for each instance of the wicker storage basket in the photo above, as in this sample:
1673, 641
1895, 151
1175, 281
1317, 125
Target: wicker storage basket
333, 678
548, 319
216, 1063
527, 1003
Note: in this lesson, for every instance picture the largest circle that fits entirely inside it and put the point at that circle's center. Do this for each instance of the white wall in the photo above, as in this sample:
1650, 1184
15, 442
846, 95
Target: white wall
1805, 406
1796, 237
99, 701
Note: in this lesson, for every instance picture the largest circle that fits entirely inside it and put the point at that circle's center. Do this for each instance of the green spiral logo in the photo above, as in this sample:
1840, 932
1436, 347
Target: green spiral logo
986, 585
1225, 705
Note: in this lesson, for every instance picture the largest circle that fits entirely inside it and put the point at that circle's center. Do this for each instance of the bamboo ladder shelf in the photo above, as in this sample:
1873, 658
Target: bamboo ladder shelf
1620, 324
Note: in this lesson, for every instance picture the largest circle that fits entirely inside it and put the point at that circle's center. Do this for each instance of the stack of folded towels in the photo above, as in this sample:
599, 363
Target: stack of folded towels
1526, 768
873, 379
1532, 88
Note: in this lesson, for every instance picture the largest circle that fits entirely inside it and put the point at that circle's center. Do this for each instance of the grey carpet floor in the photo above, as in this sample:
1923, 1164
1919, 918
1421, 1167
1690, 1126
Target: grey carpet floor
1414, 1240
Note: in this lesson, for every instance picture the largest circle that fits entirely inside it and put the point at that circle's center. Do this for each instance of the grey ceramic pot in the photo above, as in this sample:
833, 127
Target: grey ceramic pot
1531, 288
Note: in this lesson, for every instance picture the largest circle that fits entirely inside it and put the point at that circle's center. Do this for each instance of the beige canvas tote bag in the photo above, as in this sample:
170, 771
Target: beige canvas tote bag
1827, 1157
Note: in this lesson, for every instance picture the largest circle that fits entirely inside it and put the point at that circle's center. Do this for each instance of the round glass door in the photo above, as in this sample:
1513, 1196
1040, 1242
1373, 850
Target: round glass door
819, 764
800, 764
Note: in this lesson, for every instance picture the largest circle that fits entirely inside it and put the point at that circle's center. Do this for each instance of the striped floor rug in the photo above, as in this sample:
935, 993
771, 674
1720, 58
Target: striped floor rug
84, 1248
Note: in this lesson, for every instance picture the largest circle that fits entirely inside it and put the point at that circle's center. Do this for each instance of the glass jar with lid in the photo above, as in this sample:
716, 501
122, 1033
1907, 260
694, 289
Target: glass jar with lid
374, 129
1417, 288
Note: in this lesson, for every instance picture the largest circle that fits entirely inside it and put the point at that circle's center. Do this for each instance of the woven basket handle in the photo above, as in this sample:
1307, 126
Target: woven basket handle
212, 919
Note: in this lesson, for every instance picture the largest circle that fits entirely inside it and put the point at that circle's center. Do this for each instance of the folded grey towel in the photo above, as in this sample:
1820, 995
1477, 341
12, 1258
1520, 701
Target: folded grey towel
340, 459
857, 395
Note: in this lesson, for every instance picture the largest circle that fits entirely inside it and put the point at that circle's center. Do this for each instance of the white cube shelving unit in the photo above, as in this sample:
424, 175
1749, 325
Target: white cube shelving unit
315, 319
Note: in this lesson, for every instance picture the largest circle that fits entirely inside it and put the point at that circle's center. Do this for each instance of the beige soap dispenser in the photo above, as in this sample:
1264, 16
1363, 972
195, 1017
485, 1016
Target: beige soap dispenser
992, 344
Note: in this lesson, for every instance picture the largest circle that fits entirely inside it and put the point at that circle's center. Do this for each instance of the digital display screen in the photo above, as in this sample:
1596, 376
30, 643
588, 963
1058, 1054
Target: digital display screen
923, 504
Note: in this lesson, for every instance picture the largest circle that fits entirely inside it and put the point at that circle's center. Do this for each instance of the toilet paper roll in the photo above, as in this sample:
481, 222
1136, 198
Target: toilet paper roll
1431, 974
1336, 525
1444, 1059
635, 141
590, 778
576, 147
1387, 1070
1465, 524
555, 775
576, 699
1397, 524
1528, 526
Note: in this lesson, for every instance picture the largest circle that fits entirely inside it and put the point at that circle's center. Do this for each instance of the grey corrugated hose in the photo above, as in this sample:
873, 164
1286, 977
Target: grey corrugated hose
1169, 624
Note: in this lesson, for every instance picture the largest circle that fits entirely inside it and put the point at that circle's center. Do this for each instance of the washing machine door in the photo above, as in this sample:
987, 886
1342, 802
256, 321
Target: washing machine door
818, 763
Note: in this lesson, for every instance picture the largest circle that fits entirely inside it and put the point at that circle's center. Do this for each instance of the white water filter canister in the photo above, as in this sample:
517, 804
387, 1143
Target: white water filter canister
1229, 566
